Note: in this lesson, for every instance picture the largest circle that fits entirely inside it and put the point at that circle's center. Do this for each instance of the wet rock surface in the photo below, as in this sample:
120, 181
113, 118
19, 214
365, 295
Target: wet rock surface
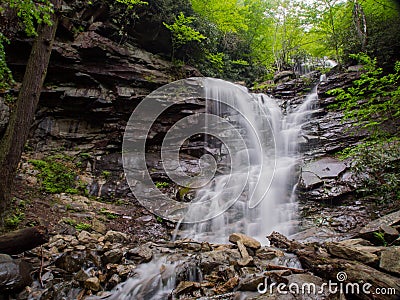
323, 176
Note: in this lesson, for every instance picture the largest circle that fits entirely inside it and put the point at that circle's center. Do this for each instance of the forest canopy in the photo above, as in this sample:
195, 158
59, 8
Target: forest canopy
252, 39
269, 36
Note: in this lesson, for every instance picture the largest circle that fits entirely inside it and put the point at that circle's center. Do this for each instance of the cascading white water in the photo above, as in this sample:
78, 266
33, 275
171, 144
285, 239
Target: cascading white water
154, 280
272, 145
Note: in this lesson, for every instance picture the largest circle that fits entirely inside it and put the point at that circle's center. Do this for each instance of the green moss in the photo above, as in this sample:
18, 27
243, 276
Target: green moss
83, 226
109, 215
76, 225
55, 177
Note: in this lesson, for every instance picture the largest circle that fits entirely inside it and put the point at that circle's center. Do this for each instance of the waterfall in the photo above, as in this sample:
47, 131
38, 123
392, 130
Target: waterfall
267, 202
253, 191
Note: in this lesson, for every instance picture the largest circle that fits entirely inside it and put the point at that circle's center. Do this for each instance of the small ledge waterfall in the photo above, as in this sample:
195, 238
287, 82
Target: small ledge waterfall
267, 202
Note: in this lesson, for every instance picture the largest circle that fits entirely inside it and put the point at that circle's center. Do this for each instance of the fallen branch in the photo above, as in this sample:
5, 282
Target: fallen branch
19, 241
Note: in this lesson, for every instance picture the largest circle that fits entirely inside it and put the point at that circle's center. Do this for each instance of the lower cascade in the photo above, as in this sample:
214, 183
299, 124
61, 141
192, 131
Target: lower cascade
265, 202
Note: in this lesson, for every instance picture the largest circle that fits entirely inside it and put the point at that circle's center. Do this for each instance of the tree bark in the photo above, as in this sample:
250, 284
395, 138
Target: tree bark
23, 240
16, 134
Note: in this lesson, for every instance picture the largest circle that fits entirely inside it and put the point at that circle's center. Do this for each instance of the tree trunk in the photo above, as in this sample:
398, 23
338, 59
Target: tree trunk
23, 240
16, 134
360, 23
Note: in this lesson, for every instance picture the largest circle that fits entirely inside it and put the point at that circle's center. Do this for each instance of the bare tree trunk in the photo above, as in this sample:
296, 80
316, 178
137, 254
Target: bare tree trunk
360, 23
16, 134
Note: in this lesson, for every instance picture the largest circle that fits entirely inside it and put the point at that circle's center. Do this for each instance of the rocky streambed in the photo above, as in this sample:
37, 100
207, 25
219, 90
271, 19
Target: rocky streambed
110, 266
105, 245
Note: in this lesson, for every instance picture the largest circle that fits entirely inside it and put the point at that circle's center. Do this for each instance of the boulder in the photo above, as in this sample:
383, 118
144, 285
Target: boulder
116, 237
113, 256
246, 258
186, 287
227, 286
14, 274
355, 242
93, 284
351, 252
85, 237
212, 259
390, 260
71, 262
141, 254
284, 76
251, 283
268, 253
308, 282
246, 240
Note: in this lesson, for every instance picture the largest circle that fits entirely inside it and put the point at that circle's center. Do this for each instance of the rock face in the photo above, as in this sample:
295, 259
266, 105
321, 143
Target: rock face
325, 177
94, 81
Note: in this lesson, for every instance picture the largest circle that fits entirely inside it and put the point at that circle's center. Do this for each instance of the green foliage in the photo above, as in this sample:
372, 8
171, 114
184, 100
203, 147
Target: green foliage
78, 226
83, 226
130, 4
55, 176
380, 236
123, 14
9, 98
216, 60
228, 15
109, 215
162, 185
182, 32
14, 220
373, 102
240, 62
31, 12
5, 74
377, 162
374, 98
85, 155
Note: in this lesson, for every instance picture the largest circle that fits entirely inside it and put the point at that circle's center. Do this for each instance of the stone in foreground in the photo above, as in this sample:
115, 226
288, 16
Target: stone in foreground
246, 240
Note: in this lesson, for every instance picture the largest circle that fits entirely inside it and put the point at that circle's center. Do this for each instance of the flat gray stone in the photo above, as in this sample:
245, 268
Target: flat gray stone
327, 167
310, 180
